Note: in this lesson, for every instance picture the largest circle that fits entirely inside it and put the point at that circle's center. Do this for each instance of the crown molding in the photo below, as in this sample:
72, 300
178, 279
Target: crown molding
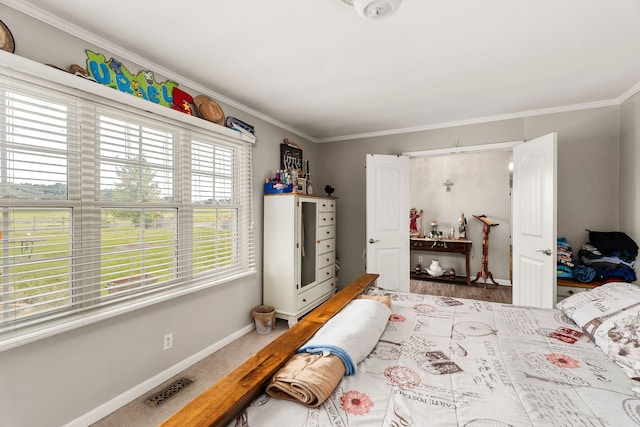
82, 34
487, 119
628, 94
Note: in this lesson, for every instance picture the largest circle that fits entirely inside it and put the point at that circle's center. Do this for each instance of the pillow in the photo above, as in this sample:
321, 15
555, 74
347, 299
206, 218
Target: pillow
610, 316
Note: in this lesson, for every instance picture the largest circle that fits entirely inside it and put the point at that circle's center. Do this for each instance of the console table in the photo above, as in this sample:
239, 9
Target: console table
462, 247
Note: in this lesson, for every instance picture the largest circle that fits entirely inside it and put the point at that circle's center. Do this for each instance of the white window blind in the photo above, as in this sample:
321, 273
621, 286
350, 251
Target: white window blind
106, 208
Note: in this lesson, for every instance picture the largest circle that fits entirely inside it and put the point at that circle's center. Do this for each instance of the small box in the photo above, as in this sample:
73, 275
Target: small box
269, 188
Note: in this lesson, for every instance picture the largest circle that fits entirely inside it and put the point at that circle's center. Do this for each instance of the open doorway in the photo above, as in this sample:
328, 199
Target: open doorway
534, 222
476, 180
474, 183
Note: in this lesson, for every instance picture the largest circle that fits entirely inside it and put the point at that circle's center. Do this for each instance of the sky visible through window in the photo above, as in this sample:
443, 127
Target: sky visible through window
36, 158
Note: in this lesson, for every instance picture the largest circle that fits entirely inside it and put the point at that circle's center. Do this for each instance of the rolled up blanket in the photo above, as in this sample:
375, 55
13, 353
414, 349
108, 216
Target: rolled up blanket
351, 334
307, 378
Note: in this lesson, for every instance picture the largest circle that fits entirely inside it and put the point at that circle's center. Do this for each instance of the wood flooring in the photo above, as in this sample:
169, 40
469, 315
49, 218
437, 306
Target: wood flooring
493, 293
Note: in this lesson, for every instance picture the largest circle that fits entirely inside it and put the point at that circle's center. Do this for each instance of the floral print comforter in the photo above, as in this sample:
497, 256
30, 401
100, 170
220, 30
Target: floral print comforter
445, 361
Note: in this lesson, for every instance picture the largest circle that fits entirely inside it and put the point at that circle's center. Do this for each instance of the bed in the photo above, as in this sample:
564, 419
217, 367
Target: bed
443, 361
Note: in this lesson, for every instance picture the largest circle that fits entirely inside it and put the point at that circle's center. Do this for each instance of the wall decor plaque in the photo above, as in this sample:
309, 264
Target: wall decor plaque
290, 157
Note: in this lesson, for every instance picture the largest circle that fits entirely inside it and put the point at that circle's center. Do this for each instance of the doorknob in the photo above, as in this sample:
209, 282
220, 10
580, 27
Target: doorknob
373, 241
546, 252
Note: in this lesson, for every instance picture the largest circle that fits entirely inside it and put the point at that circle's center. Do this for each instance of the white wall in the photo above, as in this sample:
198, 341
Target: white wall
481, 187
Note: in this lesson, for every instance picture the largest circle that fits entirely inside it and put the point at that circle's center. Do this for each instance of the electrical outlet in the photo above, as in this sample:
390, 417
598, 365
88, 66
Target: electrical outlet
420, 259
168, 341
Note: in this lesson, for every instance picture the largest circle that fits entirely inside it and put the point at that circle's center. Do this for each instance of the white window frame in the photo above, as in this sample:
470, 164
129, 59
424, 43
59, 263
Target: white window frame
86, 101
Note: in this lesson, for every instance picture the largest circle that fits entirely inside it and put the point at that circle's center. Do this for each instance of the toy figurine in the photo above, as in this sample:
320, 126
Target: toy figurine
415, 223
462, 227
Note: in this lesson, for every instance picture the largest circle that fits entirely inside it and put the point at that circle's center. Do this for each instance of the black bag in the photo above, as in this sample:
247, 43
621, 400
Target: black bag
608, 241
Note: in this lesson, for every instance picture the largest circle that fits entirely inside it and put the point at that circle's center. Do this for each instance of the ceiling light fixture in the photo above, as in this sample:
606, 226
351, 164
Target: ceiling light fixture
374, 9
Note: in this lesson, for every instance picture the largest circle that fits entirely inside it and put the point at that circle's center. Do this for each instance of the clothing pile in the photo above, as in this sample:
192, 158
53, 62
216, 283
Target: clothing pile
608, 256
565, 258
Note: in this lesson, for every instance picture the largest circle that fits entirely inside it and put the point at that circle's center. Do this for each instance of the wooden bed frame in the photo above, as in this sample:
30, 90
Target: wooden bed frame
225, 400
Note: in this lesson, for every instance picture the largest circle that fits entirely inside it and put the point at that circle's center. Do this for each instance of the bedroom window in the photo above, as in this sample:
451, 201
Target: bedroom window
106, 209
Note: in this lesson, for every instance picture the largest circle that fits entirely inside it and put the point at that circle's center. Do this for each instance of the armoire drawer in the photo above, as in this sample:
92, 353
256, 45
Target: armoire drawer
326, 218
327, 272
327, 206
309, 296
326, 259
325, 246
328, 232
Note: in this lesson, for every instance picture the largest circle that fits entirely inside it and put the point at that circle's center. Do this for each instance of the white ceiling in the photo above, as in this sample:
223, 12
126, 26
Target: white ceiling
327, 73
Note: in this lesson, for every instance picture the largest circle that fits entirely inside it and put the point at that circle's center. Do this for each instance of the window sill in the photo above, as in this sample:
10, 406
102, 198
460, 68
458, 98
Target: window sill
70, 323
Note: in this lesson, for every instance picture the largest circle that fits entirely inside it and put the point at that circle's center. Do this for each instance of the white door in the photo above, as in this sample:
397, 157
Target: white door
534, 222
388, 220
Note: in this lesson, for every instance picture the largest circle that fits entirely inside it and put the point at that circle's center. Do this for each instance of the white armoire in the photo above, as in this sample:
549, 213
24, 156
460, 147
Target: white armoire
299, 253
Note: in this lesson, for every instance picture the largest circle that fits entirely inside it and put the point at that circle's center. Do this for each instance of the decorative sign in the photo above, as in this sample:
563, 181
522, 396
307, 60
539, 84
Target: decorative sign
114, 74
183, 102
290, 157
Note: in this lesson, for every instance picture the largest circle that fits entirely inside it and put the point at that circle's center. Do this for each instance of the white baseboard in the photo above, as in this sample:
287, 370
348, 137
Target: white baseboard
117, 402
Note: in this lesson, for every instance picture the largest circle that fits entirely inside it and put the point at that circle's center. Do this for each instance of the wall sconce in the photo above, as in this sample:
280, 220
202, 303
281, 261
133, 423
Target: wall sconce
448, 184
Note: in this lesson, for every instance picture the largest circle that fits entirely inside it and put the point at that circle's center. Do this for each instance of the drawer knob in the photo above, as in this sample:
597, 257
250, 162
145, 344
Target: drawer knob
304, 300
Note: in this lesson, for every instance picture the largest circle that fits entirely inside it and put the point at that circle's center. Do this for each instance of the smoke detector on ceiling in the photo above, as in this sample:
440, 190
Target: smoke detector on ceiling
374, 9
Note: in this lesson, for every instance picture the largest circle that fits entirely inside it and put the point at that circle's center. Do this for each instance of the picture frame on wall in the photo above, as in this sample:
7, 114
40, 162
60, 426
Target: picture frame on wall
290, 157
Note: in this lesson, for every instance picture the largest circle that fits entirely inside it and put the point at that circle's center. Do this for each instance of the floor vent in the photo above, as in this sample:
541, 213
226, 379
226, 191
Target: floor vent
168, 392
